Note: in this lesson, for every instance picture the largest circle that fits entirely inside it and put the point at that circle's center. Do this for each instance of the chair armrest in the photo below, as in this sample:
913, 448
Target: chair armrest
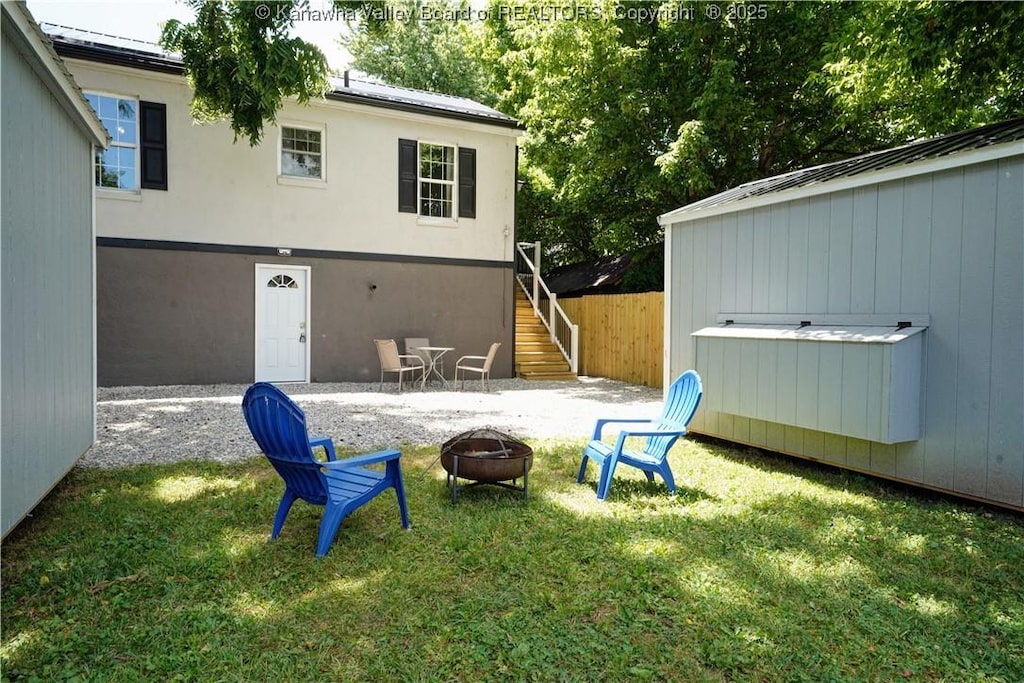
620, 442
411, 356
599, 427
326, 443
678, 431
462, 358
366, 459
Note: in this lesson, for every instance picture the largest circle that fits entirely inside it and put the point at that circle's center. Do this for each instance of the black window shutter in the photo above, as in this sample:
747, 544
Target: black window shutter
467, 182
153, 136
407, 176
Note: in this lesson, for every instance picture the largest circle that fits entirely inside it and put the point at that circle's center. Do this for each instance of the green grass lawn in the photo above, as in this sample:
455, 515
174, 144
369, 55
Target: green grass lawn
760, 569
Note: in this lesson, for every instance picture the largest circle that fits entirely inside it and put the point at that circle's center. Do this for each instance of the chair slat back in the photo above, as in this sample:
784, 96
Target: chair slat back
278, 426
681, 404
490, 356
387, 349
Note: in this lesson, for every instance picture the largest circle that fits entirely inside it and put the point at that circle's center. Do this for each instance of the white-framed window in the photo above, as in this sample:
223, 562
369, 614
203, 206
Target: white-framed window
302, 152
437, 173
436, 181
117, 166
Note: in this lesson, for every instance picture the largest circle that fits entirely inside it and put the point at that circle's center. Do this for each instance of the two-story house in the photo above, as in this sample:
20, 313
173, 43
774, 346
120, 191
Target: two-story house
378, 212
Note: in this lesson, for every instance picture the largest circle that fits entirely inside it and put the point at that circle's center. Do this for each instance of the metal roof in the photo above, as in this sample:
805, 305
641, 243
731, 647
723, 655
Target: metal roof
110, 49
888, 159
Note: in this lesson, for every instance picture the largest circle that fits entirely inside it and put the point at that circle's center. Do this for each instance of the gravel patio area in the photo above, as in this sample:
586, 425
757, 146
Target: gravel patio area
166, 424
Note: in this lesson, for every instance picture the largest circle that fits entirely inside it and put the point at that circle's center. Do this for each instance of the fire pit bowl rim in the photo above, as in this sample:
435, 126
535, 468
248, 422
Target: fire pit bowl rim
486, 455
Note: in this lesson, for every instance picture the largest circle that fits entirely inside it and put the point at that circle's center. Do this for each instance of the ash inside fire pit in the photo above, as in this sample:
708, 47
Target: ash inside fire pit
486, 456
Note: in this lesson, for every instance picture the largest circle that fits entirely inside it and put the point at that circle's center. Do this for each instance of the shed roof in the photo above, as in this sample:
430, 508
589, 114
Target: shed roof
53, 72
905, 160
110, 49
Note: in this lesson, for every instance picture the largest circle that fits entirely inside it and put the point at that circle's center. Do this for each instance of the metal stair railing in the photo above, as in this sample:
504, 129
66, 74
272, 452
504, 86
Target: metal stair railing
564, 333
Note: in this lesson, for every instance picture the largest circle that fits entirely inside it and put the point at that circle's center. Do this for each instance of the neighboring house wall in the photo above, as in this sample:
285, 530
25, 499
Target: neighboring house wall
48, 350
948, 244
175, 267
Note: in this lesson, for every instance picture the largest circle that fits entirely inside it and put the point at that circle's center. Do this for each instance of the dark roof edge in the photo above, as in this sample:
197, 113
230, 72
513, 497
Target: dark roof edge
169, 65
118, 57
370, 100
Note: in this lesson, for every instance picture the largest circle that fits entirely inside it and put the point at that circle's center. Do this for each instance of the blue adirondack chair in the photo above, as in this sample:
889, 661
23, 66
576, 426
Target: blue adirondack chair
279, 427
680, 405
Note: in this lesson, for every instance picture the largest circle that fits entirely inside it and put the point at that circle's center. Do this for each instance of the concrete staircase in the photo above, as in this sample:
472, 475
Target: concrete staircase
537, 357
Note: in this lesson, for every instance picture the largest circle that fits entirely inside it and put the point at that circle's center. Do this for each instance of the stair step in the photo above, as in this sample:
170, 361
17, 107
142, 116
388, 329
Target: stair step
536, 357
548, 376
538, 367
545, 355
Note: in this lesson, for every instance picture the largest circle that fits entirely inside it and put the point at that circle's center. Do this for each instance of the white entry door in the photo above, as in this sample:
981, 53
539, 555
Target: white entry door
282, 323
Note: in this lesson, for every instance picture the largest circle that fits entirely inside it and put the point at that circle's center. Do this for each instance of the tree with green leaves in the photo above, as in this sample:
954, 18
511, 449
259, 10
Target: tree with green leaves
927, 68
633, 111
630, 118
430, 48
241, 61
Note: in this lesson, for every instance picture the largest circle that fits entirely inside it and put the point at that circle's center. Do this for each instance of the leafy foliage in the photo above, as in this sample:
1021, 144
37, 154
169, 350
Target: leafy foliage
429, 48
630, 118
241, 62
927, 68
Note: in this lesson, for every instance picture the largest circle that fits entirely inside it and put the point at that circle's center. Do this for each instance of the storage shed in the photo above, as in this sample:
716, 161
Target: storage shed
47, 245
867, 313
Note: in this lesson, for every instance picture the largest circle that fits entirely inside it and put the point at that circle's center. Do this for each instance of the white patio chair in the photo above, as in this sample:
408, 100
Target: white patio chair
484, 370
392, 361
414, 343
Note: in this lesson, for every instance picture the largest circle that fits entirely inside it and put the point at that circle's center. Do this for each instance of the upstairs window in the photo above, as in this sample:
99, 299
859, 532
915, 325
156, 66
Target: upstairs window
302, 152
137, 154
117, 166
436, 181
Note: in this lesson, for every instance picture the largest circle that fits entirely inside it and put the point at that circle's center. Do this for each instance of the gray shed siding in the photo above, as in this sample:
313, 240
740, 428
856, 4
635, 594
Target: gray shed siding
47, 383
949, 244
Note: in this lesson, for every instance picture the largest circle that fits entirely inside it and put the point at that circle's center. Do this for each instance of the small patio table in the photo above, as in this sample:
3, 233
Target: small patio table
434, 354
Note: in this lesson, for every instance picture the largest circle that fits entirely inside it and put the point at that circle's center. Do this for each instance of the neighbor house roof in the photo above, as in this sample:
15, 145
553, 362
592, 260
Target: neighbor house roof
971, 146
588, 277
120, 51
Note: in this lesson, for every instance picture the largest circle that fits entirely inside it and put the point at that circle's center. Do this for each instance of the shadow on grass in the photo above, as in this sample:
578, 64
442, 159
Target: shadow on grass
749, 573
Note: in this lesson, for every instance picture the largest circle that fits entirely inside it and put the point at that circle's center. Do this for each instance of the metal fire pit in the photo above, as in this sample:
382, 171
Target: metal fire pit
486, 456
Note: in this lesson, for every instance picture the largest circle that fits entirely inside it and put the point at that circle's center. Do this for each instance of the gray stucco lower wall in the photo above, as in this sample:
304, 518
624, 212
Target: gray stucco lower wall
948, 244
46, 314
178, 316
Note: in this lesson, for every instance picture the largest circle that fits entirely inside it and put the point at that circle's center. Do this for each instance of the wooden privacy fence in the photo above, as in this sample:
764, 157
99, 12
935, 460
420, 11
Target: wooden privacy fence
621, 335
